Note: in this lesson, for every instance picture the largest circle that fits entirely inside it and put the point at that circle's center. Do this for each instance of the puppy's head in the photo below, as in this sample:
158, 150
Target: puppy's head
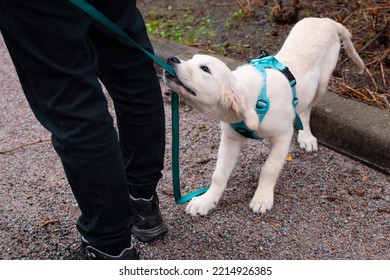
206, 83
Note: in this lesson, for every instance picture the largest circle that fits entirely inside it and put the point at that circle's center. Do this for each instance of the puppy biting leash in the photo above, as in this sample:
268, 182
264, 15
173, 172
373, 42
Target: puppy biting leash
99, 17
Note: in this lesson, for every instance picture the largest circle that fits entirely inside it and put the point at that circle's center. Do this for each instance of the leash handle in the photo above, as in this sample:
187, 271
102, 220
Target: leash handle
99, 17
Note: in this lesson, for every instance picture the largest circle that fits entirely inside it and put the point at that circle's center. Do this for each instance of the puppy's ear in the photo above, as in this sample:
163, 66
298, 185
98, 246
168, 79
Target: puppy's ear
231, 101
251, 119
243, 110
239, 106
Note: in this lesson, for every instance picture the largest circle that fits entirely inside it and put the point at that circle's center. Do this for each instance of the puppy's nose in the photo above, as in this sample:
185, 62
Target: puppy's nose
173, 60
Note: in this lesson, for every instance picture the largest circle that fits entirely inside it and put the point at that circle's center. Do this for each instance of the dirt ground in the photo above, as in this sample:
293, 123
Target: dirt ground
240, 29
327, 206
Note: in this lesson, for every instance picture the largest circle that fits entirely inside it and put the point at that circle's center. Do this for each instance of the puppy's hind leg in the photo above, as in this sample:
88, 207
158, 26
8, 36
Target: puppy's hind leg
229, 150
306, 139
264, 195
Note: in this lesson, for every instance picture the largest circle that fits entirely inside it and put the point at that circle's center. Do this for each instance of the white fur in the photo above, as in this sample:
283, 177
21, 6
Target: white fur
310, 52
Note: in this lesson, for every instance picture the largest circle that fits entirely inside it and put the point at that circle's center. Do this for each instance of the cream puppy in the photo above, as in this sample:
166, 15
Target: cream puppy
310, 52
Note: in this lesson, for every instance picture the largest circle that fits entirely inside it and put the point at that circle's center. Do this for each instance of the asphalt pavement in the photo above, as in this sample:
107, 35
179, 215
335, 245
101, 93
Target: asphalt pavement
327, 205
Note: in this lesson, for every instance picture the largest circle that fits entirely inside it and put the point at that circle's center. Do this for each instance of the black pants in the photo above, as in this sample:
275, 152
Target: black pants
59, 54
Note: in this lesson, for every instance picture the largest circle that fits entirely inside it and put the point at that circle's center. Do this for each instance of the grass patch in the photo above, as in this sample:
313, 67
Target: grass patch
184, 28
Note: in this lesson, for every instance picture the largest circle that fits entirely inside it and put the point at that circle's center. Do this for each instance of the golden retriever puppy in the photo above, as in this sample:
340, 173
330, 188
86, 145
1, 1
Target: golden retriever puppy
309, 54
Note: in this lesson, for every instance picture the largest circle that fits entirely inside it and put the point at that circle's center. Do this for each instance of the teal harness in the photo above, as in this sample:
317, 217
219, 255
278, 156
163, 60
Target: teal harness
263, 103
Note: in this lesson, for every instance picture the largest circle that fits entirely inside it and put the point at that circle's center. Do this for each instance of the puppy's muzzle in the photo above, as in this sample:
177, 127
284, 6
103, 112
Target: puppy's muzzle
174, 61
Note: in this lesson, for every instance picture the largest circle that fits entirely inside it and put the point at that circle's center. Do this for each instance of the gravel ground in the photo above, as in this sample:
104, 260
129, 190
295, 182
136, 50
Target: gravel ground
327, 206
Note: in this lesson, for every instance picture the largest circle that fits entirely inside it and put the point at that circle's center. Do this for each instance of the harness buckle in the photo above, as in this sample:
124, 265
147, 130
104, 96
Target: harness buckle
261, 104
290, 77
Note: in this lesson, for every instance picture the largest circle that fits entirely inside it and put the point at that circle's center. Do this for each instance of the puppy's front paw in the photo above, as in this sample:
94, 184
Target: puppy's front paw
262, 202
307, 142
201, 205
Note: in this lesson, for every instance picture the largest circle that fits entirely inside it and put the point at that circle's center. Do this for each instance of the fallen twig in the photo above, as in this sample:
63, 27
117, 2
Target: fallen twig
387, 102
372, 94
24, 145
361, 95
195, 44
372, 79
383, 74
241, 5
376, 37
346, 19
48, 222
220, 4
287, 195
378, 60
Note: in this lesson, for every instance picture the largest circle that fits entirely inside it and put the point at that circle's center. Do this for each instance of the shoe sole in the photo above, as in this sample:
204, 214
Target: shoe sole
147, 235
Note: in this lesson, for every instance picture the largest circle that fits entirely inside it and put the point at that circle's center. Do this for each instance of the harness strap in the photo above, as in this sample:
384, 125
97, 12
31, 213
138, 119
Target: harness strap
99, 17
263, 103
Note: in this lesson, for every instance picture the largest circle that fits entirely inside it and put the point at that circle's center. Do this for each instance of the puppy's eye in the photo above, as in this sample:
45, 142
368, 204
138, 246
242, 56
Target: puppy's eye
205, 69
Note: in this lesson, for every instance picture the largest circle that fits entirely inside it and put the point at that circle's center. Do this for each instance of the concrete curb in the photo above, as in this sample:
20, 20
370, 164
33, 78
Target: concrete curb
357, 130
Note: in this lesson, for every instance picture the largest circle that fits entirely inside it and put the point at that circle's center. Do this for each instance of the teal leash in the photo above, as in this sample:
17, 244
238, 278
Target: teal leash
99, 17
179, 199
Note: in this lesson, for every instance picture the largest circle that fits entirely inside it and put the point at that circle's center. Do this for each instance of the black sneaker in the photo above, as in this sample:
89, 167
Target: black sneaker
84, 251
148, 221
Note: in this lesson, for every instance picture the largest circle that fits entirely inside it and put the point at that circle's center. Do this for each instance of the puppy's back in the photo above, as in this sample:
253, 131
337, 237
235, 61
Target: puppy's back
310, 36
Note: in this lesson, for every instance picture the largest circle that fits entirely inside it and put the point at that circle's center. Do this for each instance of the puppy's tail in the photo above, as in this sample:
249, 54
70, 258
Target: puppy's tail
345, 37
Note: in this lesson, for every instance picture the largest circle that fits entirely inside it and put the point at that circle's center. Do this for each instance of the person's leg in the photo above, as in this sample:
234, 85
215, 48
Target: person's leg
57, 66
131, 80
